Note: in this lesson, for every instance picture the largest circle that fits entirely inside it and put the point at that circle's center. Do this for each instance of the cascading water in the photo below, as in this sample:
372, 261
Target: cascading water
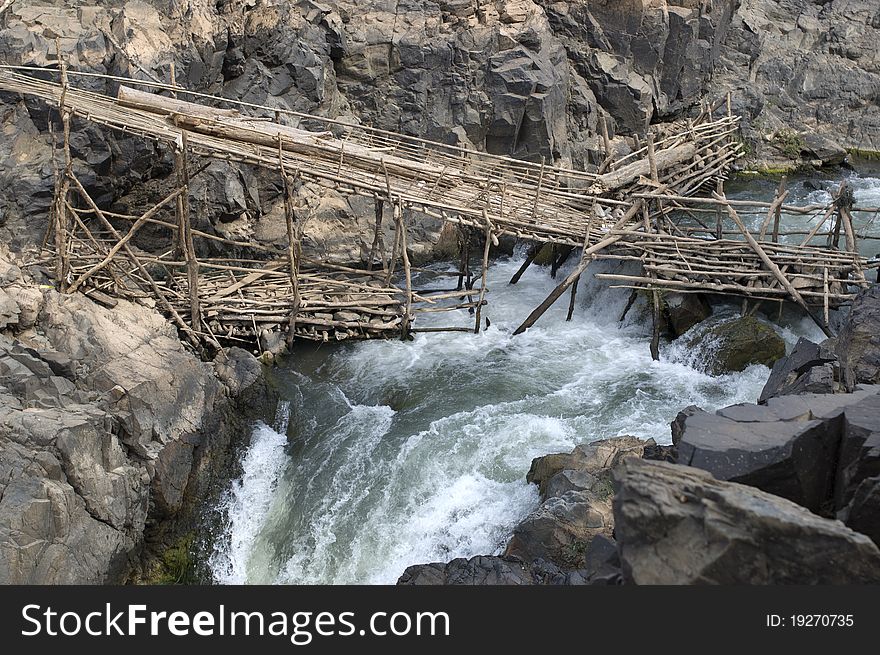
401, 453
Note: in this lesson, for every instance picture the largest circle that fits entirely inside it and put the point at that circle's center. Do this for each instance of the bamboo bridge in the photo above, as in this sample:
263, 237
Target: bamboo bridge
661, 206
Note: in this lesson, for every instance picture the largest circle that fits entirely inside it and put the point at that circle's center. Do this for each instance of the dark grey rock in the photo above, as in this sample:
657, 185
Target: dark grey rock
858, 343
482, 570
733, 345
684, 310
678, 423
859, 456
788, 447
679, 525
795, 373
863, 512
826, 151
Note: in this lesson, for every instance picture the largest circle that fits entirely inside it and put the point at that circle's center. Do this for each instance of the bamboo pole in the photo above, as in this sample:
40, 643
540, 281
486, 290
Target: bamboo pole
163, 300
534, 249
121, 243
485, 272
379, 207
773, 268
586, 258
192, 268
292, 245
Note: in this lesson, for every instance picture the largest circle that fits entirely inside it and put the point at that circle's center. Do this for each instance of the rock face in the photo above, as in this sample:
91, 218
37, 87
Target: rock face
735, 344
789, 447
679, 525
858, 344
529, 78
110, 432
810, 368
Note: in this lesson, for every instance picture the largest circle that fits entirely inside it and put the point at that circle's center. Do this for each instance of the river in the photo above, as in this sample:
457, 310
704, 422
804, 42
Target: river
387, 453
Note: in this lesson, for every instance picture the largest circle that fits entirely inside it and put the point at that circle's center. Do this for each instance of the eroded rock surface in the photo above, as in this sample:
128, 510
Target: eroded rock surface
679, 525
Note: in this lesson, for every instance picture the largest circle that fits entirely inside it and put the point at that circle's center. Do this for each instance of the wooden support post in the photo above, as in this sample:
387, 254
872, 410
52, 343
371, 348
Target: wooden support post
407, 272
530, 257
773, 213
538, 189
655, 325
774, 269
485, 272
825, 300
160, 295
192, 263
464, 257
608, 163
719, 227
652, 161
379, 206
586, 258
392, 261
574, 286
293, 242
629, 303
62, 222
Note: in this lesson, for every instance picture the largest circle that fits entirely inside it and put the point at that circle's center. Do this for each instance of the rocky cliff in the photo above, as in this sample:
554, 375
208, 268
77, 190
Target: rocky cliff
110, 432
529, 78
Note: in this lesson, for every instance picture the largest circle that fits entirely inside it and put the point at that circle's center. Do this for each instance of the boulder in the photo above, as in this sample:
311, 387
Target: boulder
482, 570
678, 423
788, 447
683, 311
679, 525
821, 149
9, 311
736, 344
576, 492
809, 368
563, 526
859, 456
594, 457
863, 512
858, 343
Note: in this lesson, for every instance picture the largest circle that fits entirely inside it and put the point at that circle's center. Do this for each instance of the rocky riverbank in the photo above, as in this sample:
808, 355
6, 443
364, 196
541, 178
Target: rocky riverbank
786, 491
111, 433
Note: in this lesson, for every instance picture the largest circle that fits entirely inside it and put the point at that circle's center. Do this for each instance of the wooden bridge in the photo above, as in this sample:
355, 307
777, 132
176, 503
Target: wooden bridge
651, 207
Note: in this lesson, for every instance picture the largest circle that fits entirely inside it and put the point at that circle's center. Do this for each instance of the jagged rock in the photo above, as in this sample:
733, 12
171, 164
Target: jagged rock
678, 423
237, 369
593, 458
684, 310
735, 344
563, 526
809, 368
859, 456
788, 447
576, 507
483, 570
858, 343
9, 311
108, 431
863, 512
679, 525
822, 149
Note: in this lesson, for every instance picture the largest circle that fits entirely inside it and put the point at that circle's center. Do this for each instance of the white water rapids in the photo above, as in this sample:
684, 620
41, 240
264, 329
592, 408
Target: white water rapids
400, 453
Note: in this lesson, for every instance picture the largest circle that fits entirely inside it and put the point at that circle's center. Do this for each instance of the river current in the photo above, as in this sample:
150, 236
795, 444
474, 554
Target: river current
387, 453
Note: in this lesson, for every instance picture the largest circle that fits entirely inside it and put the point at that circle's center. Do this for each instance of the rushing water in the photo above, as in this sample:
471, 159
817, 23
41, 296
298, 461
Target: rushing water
386, 453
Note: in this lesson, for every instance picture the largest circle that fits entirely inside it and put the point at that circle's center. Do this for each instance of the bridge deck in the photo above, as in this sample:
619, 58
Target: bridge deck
638, 208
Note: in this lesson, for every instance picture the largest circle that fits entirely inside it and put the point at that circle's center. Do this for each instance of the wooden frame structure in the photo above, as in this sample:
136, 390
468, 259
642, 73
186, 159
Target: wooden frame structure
640, 207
